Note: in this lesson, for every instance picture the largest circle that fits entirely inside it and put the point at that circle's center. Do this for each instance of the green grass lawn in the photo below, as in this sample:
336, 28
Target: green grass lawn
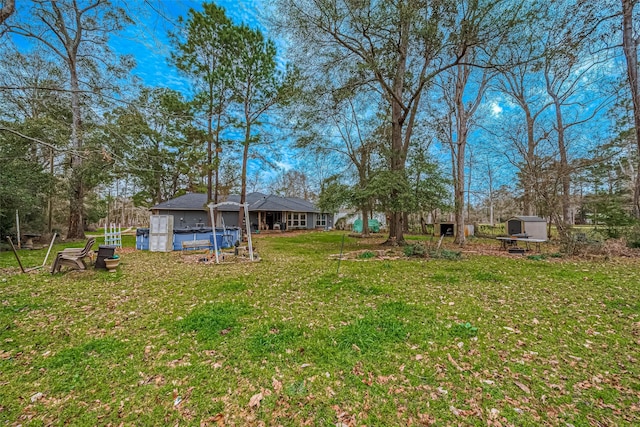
484, 340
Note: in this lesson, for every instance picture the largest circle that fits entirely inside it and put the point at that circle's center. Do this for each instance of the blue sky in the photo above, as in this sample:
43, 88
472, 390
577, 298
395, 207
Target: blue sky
147, 39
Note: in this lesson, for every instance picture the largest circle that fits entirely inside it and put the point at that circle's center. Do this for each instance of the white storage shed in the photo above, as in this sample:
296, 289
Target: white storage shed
532, 227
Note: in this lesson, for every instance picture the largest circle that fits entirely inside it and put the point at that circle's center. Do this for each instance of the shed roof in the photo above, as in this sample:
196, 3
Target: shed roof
528, 218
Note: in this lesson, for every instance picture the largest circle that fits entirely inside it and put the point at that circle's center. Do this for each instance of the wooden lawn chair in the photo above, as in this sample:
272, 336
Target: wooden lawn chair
73, 257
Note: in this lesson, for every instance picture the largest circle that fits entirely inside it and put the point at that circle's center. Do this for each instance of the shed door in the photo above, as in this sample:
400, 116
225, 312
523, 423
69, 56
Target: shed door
514, 226
161, 233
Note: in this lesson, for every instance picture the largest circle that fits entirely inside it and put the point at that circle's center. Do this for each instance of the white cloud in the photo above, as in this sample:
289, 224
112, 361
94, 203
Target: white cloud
284, 165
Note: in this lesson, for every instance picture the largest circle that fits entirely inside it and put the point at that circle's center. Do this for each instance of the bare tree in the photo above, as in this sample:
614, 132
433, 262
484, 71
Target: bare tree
518, 82
574, 83
459, 122
396, 47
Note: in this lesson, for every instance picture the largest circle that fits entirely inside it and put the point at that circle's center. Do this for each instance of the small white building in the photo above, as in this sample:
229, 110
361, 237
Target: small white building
532, 227
449, 229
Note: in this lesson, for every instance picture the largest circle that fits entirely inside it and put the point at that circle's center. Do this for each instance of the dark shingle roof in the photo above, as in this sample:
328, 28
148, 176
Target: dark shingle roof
187, 202
277, 203
257, 202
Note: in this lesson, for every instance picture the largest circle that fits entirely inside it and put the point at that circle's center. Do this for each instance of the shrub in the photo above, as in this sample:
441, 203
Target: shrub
633, 238
446, 254
415, 250
367, 255
575, 243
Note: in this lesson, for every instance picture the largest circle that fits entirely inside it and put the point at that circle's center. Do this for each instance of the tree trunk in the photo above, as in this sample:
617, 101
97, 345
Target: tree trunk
423, 224
158, 179
50, 195
245, 157
76, 185
563, 168
7, 10
210, 158
365, 220
405, 222
490, 182
216, 164
630, 48
459, 192
527, 172
460, 152
395, 229
398, 153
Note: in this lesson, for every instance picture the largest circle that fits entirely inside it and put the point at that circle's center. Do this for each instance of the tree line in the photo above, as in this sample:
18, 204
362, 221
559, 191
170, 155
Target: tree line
412, 108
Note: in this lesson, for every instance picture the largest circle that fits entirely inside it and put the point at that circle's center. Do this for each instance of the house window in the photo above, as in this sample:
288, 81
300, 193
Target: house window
296, 219
321, 220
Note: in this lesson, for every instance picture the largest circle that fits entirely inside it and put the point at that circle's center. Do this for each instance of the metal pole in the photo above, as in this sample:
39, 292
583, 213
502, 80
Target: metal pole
248, 227
49, 251
18, 229
213, 225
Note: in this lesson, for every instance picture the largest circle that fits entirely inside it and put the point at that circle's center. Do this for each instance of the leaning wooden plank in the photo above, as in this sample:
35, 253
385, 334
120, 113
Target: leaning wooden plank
16, 254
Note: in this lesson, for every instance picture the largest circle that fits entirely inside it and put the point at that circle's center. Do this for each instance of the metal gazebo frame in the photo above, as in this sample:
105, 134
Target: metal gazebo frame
212, 207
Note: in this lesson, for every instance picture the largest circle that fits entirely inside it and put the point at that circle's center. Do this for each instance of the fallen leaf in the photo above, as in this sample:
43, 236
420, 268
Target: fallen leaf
493, 414
254, 402
218, 419
522, 387
277, 385
454, 363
